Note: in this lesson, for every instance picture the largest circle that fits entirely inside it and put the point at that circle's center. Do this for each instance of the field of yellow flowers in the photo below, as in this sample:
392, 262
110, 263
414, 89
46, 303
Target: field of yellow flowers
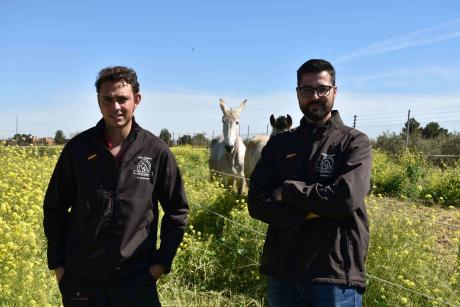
414, 256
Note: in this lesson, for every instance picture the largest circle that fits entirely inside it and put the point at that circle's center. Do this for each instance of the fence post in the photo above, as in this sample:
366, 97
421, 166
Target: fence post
247, 138
407, 129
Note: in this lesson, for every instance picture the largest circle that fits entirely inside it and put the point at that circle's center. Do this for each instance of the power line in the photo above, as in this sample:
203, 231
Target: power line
416, 110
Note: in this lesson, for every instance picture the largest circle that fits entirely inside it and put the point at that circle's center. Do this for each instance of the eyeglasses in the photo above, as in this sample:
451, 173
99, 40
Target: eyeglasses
308, 91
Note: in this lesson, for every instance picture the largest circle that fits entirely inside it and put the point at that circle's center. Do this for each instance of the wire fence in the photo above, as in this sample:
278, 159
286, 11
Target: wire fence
369, 275
401, 213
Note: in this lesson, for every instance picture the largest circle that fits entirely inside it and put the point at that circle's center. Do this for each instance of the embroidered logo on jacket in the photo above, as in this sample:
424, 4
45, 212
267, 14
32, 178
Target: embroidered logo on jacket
143, 168
325, 166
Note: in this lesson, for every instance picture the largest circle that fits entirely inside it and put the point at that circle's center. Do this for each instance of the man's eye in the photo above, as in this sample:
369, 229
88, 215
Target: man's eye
306, 90
322, 89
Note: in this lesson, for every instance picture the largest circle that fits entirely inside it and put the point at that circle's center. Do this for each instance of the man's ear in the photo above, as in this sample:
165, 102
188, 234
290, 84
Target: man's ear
298, 94
137, 99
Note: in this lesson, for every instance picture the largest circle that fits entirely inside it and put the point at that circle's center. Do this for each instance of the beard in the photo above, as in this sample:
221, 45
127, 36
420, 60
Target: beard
317, 110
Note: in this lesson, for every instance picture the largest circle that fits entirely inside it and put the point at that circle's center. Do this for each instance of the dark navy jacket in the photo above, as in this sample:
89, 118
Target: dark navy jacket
320, 231
101, 216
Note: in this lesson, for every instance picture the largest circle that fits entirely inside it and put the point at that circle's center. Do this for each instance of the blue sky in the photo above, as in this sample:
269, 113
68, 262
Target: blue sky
390, 56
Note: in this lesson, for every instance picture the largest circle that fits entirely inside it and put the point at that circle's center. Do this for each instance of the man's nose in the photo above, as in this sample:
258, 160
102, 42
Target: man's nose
315, 94
116, 105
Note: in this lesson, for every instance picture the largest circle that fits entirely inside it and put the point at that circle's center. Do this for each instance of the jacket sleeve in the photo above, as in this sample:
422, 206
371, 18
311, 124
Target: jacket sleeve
175, 206
261, 206
58, 200
345, 195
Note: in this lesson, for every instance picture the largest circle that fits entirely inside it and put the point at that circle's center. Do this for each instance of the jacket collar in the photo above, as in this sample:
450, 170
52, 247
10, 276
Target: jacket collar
135, 128
333, 122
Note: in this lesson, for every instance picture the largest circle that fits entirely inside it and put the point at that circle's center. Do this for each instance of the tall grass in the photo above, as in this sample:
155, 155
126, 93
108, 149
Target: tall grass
412, 245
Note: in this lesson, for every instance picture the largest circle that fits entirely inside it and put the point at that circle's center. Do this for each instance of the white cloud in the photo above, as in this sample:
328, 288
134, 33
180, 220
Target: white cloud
420, 76
431, 35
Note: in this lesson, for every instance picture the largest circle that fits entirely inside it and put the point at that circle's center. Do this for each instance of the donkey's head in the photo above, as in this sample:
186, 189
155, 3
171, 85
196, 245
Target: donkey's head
231, 121
282, 123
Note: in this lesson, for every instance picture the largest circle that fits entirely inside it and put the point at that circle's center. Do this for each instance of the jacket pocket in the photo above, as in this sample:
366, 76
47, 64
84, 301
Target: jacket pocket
96, 206
288, 167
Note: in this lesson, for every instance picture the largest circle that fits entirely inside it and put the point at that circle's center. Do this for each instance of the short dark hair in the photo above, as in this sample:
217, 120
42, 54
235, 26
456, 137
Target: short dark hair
115, 74
316, 66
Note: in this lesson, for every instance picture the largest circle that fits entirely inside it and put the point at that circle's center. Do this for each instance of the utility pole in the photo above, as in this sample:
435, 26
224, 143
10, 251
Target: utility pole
267, 130
247, 138
354, 121
407, 129
17, 115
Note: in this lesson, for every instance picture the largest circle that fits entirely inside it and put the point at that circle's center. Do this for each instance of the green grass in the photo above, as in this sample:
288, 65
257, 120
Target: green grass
411, 244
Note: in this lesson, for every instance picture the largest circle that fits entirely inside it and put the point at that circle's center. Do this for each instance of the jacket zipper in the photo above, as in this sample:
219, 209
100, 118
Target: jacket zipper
115, 199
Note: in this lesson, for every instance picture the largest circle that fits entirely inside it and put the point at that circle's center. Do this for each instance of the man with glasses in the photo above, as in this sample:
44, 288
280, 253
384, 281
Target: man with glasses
309, 187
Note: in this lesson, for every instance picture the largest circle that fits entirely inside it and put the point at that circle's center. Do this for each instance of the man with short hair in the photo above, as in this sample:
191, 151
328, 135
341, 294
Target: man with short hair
309, 187
101, 206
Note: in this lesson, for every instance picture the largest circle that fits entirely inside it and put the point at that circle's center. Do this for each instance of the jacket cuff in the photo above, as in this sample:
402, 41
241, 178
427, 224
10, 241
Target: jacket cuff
163, 260
55, 255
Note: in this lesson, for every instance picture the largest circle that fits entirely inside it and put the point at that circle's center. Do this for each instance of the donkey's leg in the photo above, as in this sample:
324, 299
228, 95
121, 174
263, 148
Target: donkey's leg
239, 185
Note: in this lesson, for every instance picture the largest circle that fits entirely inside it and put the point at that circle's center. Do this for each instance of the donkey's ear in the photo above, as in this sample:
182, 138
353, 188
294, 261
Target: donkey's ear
222, 106
242, 106
289, 120
272, 121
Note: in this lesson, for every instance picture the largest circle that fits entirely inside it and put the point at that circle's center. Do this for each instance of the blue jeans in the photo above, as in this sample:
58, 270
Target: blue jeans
282, 293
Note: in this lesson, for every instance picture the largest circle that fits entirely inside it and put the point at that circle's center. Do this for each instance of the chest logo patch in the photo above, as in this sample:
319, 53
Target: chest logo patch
143, 168
325, 166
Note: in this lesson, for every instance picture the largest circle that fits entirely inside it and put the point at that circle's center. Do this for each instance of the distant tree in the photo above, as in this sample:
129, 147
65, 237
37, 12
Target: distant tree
200, 140
451, 144
59, 137
433, 130
22, 139
414, 127
186, 139
165, 136
391, 143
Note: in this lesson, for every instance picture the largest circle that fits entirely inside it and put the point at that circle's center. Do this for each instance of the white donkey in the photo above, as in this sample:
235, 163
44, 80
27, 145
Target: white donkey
256, 144
227, 150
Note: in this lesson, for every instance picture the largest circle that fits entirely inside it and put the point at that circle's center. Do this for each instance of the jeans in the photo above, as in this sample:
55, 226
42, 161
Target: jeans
282, 293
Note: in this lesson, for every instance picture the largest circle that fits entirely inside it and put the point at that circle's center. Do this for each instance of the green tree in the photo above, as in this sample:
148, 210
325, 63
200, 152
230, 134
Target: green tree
433, 130
59, 137
165, 135
391, 143
414, 127
200, 140
186, 139
22, 139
